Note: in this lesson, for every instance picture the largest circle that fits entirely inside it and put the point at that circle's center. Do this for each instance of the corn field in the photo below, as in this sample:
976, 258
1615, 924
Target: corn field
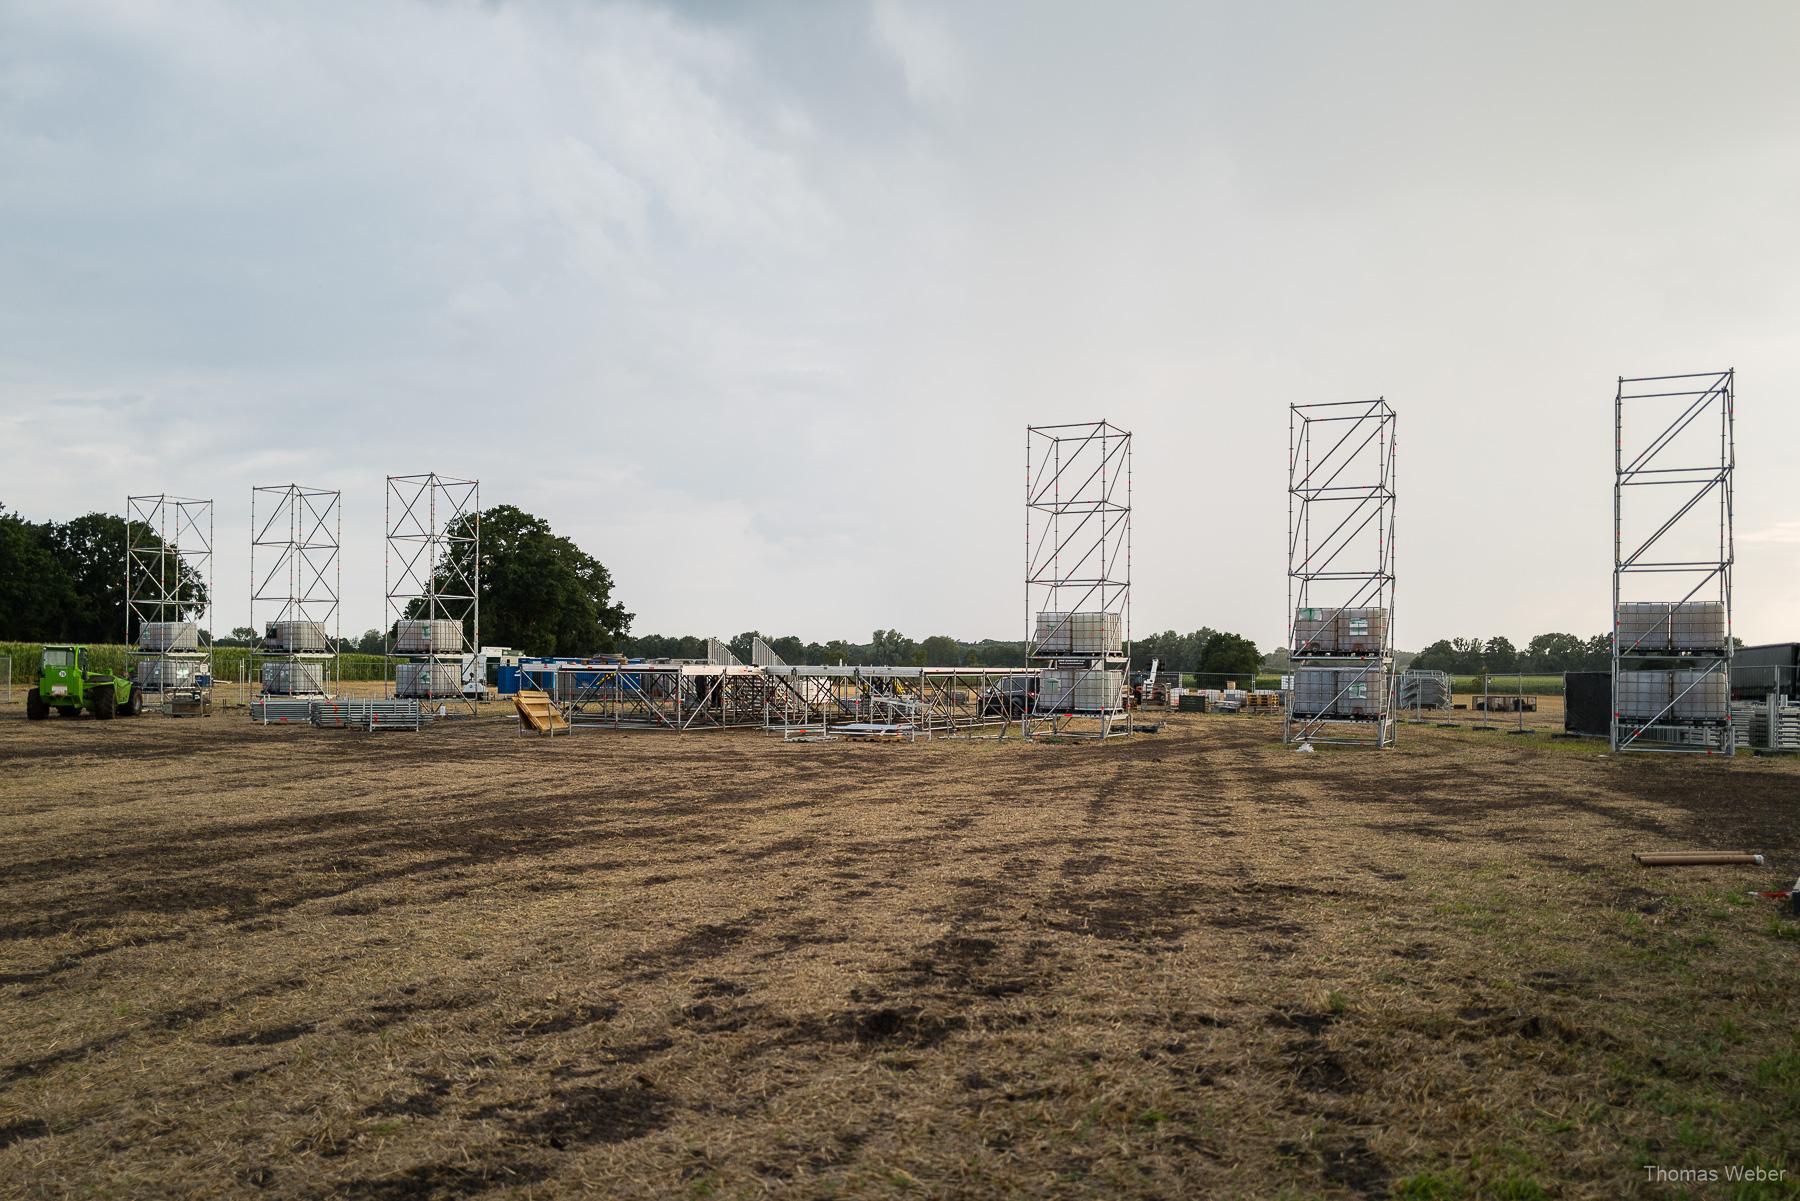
116, 658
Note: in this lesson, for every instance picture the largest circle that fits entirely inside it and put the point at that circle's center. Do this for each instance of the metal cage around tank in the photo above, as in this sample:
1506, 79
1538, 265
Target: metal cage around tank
296, 539
1341, 573
1674, 458
1077, 578
168, 600
433, 583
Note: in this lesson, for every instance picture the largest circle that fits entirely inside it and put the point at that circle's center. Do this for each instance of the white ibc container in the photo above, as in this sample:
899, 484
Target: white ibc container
1645, 627
1316, 691
427, 679
429, 636
1329, 631
293, 679
296, 637
1079, 633
1315, 630
1056, 690
1643, 694
1078, 690
1361, 631
1337, 692
166, 675
1699, 696
1099, 691
169, 636
1699, 626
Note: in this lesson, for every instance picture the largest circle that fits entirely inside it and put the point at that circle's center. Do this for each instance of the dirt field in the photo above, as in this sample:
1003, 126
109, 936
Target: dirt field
294, 963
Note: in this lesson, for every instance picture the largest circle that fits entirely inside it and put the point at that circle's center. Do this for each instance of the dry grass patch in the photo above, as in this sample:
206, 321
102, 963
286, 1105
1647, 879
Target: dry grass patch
299, 963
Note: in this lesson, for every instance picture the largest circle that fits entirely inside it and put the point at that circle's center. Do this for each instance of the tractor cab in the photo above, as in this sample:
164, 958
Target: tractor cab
61, 667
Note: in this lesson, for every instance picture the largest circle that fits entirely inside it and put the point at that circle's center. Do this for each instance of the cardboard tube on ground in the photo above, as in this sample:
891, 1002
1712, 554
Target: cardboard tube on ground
1693, 858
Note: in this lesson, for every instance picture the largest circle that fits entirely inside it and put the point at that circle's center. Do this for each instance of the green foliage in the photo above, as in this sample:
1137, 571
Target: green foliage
1170, 650
1229, 655
885, 648
65, 581
539, 591
1430, 1186
941, 650
891, 646
1213, 651
34, 591
370, 642
1499, 654
1544, 654
117, 658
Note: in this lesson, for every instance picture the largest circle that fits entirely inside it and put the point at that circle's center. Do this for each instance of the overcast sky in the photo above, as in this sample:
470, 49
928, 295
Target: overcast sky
755, 301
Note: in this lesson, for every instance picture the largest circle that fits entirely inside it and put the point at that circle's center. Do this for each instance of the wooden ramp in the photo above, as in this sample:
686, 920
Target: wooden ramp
537, 711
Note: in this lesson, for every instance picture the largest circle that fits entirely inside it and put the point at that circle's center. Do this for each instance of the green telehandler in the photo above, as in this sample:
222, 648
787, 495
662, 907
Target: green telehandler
66, 685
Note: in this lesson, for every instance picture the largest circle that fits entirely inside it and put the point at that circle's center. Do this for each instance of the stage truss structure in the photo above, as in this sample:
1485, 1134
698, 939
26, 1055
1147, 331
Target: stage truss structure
1341, 573
432, 579
1077, 579
168, 599
296, 579
1674, 457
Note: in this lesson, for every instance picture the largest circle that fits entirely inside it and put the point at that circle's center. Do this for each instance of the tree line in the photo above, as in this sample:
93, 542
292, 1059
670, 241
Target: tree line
1204, 651
540, 593
64, 581
1543, 654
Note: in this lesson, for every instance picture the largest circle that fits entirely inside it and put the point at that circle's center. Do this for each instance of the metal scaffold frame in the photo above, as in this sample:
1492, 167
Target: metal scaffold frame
1078, 562
296, 538
432, 573
1341, 482
813, 702
169, 578
1689, 472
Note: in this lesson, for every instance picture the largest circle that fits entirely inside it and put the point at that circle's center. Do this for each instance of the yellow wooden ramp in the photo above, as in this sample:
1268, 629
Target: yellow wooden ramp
539, 712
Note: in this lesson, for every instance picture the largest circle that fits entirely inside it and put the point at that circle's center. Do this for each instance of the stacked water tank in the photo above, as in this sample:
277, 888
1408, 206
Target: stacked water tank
433, 668
299, 650
1084, 663
1341, 667
1652, 635
171, 659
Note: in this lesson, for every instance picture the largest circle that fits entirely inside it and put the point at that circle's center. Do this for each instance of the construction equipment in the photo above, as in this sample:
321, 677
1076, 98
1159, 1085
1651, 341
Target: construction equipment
1144, 689
538, 711
67, 685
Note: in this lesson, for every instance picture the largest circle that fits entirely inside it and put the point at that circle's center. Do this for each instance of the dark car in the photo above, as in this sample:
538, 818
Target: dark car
1012, 696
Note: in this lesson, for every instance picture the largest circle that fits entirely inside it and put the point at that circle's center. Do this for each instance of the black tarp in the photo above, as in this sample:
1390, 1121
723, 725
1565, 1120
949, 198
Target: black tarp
1587, 702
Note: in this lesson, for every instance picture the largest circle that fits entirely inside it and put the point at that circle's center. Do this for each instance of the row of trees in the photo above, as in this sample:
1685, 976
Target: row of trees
64, 581
1205, 650
1544, 654
884, 648
540, 592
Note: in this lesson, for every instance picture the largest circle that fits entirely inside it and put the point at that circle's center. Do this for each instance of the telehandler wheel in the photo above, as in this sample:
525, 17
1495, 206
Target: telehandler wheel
35, 708
130, 707
103, 704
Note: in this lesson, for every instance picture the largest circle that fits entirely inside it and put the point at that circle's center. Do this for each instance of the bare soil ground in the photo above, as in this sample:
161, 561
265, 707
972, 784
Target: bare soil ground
245, 961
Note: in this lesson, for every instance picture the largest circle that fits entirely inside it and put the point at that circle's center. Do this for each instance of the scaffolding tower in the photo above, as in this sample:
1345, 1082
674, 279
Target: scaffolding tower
433, 584
296, 534
1341, 573
1674, 453
1077, 578
168, 601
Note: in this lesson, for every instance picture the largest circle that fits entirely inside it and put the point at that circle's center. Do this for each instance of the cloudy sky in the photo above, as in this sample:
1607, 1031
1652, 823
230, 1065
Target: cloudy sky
755, 301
